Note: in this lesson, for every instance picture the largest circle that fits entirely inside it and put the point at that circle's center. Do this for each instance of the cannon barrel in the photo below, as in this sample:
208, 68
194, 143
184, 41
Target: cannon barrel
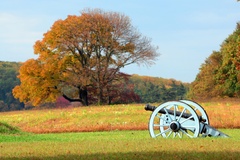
148, 107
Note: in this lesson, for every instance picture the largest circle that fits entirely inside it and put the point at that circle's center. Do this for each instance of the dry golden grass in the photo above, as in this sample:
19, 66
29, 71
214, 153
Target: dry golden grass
222, 114
94, 118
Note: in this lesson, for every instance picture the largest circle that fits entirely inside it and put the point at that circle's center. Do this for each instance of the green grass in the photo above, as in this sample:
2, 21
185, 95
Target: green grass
116, 145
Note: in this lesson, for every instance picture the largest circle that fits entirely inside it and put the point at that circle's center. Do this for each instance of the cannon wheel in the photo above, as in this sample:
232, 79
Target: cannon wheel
171, 125
198, 109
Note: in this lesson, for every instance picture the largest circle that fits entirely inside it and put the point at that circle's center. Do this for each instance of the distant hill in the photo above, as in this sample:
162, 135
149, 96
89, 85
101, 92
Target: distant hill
156, 89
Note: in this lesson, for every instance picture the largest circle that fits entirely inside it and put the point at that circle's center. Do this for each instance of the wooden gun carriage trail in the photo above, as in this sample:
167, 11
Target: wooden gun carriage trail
178, 119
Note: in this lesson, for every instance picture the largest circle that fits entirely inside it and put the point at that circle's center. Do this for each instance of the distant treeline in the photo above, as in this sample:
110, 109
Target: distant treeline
138, 89
8, 80
154, 89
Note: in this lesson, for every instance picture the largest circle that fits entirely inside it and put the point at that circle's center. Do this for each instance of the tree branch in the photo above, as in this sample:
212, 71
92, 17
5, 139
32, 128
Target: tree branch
70, 99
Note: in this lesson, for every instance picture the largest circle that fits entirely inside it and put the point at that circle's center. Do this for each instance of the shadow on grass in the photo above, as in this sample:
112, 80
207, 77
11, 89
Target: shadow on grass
8, 129
141, 156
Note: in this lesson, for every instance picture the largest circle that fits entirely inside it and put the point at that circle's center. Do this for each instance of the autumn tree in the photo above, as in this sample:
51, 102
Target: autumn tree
205, 84
220, 74
82, 53
122, 92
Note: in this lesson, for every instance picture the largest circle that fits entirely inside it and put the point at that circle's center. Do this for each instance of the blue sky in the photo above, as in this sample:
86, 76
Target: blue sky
185, 31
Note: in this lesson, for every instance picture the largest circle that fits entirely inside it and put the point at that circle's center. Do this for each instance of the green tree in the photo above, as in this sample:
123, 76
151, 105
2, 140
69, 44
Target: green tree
8, 80
84, 53
228, 76
220, 74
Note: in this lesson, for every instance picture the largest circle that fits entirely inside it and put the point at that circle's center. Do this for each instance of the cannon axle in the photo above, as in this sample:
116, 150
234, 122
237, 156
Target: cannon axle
175, 126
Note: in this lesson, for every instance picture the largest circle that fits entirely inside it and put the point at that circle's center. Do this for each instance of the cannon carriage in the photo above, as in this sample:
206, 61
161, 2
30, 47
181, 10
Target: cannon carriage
178, 119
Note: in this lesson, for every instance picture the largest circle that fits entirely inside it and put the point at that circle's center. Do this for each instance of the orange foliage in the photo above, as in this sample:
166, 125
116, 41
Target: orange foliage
82, 51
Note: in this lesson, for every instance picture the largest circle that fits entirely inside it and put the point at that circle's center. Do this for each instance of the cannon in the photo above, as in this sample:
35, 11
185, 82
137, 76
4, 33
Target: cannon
178, 119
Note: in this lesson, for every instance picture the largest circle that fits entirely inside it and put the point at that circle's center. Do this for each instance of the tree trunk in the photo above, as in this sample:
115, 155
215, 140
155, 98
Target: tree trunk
100, 96
83, 95
109, 97
83, 98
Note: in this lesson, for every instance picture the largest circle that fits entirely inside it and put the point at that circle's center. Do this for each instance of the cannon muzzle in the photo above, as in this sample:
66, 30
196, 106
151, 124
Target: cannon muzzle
148, 107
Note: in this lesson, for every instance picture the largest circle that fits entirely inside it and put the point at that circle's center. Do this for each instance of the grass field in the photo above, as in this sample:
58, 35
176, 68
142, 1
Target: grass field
108, 118
111, 132
117, 145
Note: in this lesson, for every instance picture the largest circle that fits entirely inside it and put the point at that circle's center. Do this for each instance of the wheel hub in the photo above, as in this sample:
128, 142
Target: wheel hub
175, 126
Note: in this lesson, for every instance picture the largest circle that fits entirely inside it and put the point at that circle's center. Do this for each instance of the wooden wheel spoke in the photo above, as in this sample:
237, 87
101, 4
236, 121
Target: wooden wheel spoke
183, 131
186, 119
180, 116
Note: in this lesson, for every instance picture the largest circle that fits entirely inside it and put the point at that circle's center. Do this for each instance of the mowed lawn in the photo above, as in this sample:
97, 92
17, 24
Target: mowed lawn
113, 132
117, 145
